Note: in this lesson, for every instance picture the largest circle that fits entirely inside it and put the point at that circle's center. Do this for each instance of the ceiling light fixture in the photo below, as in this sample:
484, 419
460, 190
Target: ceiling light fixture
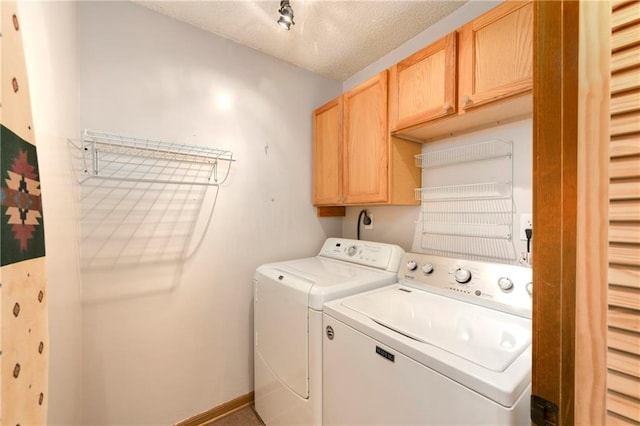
286, 15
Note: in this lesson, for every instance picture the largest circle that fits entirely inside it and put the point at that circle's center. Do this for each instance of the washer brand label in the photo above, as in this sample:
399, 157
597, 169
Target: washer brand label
391, 357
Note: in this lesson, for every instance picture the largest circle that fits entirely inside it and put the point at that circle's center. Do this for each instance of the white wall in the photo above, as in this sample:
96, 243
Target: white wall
49, 36
161, 357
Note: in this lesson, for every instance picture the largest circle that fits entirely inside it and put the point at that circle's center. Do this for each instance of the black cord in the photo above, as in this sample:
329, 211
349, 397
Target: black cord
367, 221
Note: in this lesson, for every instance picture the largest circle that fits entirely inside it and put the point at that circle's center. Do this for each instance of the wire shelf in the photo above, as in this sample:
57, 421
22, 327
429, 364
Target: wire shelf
142, 201
482, 218
488, 230
480, 151
475, 191
126, 158
470, 211
469, 220
498, 217
468, 247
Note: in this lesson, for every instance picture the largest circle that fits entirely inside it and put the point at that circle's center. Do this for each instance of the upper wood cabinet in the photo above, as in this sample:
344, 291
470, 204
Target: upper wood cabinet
496, 55
366, 135
422, 87
327, 153
355, 160
491, 81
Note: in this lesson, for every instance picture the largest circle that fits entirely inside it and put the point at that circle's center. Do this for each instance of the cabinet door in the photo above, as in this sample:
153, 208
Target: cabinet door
327, 153
496, 55
366, 142
422, 87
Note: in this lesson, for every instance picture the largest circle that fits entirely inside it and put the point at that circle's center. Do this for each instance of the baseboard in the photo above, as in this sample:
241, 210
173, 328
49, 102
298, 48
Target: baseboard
220, 411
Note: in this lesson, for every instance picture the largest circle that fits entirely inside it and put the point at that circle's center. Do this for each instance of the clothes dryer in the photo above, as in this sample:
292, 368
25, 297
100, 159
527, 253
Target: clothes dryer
288, 303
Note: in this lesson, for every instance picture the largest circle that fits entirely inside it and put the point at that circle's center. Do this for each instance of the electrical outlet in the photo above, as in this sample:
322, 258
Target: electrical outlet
369, 226
526, 221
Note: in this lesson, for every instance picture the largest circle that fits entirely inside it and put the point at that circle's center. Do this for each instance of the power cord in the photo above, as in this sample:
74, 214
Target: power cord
528, 232
366, 220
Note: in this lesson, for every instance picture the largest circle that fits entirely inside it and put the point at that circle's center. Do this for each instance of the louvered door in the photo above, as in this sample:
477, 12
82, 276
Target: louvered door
623, 339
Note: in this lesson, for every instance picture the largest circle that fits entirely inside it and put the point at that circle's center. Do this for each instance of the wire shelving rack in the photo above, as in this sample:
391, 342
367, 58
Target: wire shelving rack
116, 157
470, 220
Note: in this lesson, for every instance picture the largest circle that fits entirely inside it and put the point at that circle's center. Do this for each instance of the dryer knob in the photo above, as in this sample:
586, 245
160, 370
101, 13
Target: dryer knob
352, 250
462, 275
412, 265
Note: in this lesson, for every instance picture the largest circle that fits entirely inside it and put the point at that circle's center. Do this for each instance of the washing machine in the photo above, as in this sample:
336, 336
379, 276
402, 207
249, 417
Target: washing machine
288, 303
449, 344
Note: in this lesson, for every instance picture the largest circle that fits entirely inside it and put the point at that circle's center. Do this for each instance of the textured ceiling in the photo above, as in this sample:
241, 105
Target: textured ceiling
335, 38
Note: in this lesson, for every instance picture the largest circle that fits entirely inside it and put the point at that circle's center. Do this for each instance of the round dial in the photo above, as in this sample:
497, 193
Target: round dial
352, 250
427, 268
505, 283
412, 265
462, 275
529, 288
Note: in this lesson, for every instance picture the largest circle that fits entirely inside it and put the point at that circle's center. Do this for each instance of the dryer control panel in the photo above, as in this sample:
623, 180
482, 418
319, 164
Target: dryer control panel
368, 253
507, 288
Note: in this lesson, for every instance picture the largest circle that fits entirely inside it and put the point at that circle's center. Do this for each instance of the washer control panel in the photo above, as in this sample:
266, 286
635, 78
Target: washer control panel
503, 287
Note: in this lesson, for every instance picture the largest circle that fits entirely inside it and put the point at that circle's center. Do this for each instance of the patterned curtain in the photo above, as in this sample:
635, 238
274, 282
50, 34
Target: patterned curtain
23, 297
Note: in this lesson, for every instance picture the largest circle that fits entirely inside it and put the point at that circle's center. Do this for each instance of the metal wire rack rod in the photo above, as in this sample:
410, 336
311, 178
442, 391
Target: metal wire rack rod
468, 230
477, 191
467, 218
153, 148
478, 206
123, 158
479, 151
497, 250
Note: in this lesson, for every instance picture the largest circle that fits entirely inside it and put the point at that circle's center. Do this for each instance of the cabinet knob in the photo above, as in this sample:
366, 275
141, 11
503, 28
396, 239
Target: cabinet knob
466, 100
446, 107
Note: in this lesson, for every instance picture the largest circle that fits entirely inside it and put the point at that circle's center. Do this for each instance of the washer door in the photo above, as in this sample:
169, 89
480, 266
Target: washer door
281, 324
486, 337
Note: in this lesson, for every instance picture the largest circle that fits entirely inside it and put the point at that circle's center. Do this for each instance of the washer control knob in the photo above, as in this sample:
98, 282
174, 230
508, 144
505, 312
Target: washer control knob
412, 265
505, 283
462, 275
529, 288
352, 250
427, 268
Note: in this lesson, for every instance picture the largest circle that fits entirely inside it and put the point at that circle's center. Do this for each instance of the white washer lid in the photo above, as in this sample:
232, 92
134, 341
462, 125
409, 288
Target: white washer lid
483, 336
332, 279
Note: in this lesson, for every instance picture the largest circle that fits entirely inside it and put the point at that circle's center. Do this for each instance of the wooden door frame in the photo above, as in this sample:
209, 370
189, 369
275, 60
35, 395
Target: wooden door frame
554, 203
570, 156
